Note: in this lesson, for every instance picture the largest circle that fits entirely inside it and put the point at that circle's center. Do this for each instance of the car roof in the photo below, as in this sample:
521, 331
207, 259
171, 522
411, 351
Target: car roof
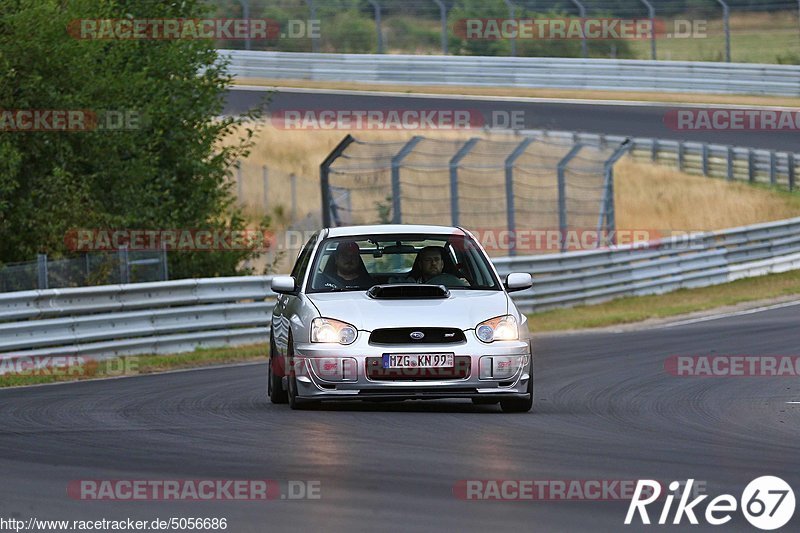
387, 229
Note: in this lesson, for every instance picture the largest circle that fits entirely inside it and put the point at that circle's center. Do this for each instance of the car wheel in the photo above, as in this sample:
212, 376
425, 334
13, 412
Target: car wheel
519, 405
274, 383
295, 402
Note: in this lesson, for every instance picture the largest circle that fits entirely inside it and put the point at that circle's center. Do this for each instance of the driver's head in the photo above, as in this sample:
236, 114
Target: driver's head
348, 259
430, 262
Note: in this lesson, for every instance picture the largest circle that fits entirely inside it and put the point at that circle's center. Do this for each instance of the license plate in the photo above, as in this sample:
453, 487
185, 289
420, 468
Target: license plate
418, 360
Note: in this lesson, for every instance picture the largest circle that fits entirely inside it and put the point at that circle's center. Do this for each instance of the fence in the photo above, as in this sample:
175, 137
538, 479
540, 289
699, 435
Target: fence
592, 74
536, 181
721, 30
122, 266
733, 163
176, 316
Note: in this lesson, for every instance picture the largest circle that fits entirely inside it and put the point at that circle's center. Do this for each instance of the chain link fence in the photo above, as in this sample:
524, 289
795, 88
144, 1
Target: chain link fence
756, 31
539, 183
122, 266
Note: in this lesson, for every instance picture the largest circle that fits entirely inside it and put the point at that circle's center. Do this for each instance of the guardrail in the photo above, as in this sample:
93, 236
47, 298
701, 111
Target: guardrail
528, 72
733, 163
138, 318
177, 316
699, 260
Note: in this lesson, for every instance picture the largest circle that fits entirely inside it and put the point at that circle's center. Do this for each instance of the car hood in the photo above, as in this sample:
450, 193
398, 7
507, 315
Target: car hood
463, 309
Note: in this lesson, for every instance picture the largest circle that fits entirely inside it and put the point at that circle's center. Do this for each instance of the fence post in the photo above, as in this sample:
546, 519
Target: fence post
324, 179
41, 271
397, 217
654, 150
607, 214
443, 21
164, 264
265, 181
312, 12
726, 14
293, 183
705, 159
461, 154
377, 7
651, 12
730, 163
124, 267
512, 10
239, 186
582, 14
790, 161
680, 156
772, 169
510, 214
751, 165
562, 194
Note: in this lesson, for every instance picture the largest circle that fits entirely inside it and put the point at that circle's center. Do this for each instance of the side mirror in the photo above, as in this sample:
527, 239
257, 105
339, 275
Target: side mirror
518, 281
283, 284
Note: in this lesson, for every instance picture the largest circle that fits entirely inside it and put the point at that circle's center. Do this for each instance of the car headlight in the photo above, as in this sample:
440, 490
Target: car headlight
332, 331
500, 328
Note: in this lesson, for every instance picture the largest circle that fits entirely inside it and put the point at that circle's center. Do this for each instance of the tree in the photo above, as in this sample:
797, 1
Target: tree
165, 169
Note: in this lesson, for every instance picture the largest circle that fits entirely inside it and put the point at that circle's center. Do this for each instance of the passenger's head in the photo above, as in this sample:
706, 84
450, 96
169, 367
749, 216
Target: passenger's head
431, 262
348, 259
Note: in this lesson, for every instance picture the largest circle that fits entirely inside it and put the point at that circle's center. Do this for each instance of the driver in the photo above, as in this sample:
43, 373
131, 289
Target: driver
350, 272
431, 266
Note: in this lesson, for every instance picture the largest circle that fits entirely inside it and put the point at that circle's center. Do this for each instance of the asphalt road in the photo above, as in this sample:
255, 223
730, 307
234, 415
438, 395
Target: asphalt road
618, 119
605, 409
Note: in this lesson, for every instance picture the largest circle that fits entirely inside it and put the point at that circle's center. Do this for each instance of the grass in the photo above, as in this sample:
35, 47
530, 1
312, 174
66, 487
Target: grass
140, 364
638, 308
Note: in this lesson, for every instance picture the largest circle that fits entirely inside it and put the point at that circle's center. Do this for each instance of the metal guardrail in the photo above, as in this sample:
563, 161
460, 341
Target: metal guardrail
528, 72
177, 316
702, 259
733, 163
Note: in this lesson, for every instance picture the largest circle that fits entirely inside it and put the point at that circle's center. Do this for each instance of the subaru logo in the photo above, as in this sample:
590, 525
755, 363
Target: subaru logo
417, 335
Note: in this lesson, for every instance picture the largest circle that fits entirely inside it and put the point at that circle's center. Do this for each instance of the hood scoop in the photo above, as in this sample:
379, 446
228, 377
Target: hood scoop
407, 291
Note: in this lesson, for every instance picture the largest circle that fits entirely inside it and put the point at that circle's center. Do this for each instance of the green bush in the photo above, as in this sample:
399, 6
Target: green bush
348, 32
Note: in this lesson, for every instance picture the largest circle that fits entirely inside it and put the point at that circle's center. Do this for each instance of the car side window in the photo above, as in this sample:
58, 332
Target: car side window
302, 260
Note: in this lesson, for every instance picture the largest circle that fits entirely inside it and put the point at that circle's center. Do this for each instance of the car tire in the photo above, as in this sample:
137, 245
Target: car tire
274, 383
519, 405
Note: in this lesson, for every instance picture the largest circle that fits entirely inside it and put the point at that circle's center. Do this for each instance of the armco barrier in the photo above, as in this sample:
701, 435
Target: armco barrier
177, 316
528, 72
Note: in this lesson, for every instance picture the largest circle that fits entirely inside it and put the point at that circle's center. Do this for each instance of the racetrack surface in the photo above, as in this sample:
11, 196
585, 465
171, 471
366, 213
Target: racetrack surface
630, 119
605, 409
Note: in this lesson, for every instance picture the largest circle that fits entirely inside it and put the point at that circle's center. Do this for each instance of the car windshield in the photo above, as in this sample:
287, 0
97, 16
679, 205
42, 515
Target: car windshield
359, 262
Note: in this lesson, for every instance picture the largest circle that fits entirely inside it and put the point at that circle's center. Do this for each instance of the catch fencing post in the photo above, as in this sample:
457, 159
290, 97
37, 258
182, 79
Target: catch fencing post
607, 214
704, 159
512, 11
651, 12
312, 12
726, 16
324, 179
397, 217
751, 165
461, 154
443, 21
730, 163
562, 193
41, 271
124, 267
582, 14
790, 162
510, 215
377, 7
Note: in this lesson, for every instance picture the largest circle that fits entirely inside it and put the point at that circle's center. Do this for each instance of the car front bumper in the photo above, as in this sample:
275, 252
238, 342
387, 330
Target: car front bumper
334, 372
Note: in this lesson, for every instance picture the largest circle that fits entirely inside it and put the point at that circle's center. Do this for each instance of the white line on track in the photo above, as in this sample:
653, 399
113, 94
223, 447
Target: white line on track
521, 99
728, 315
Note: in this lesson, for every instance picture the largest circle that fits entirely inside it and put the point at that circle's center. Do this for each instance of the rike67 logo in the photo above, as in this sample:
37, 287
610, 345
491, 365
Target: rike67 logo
767, 503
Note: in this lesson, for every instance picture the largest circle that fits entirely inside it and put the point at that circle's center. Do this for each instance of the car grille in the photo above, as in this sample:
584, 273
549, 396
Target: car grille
431, 336
460, 370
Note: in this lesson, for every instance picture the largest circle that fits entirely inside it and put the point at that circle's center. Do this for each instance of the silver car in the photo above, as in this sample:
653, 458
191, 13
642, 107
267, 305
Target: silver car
397, 312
